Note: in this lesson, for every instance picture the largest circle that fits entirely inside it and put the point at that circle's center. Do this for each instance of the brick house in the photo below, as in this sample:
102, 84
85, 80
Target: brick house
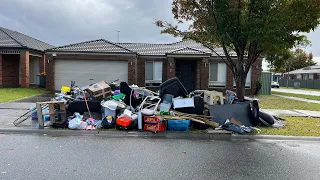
147, 65
21, 59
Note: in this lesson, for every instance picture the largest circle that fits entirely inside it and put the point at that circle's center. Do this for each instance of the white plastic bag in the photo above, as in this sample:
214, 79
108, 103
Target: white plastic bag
77, 123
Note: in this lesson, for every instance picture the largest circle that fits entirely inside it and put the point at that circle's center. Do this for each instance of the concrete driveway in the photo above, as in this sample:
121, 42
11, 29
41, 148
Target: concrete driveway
9, 112
297, 91
34, 99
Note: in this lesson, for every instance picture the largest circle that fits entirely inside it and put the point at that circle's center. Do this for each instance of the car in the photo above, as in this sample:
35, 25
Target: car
275, 84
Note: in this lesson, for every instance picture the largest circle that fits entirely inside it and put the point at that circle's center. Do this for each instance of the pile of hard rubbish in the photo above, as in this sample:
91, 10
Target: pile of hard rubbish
172, 108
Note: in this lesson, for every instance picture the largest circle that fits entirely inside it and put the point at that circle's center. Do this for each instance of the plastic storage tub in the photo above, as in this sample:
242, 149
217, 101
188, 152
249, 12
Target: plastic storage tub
178, 125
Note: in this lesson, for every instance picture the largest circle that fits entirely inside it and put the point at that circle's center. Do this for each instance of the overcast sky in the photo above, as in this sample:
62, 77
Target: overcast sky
61, 22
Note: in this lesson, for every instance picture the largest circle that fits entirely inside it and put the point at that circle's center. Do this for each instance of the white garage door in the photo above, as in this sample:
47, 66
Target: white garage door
85, 72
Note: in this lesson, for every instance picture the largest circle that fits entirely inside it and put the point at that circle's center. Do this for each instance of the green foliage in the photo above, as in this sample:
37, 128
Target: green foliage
290, 60
251, 28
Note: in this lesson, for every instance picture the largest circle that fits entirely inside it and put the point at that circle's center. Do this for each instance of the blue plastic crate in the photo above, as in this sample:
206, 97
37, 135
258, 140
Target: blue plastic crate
178, 125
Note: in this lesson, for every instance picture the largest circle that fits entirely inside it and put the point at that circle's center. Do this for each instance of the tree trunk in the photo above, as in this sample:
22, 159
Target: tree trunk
241, 83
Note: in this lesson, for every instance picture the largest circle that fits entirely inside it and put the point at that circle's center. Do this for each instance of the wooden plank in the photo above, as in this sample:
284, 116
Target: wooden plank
52, 113
63, 111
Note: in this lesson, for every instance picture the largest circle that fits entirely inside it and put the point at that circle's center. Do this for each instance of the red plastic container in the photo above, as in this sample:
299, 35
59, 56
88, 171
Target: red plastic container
154, 124
124, 121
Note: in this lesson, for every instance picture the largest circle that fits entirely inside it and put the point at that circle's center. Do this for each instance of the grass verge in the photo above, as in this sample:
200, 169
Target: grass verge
275, 102
12, 94
310, 97
295, 126
306, 89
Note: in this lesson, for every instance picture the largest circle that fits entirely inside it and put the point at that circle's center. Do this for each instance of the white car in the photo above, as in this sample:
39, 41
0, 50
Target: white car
275, 84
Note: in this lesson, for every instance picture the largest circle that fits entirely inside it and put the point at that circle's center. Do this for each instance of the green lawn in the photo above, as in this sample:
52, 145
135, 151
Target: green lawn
298, 95
275, 102
295, 126
306, 89
11, 94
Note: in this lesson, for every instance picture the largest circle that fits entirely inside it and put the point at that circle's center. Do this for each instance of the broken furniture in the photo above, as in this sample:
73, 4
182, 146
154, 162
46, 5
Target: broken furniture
129, 98
240, 111
56, 108
149, 105
174, 87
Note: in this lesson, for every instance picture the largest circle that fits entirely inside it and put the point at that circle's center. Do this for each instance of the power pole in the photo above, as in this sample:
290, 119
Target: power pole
118, 32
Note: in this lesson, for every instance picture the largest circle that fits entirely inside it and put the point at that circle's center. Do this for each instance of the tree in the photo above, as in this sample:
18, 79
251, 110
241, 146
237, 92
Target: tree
248, 27
290, 60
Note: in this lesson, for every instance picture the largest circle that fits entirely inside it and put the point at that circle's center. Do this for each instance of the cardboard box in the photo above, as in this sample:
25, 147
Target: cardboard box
99, 90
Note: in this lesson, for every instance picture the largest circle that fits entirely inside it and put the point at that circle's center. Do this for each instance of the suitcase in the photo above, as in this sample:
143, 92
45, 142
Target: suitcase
154, 124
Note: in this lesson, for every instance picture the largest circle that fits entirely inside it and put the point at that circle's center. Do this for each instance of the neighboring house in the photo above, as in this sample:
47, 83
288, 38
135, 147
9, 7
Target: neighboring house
276, 76
143, 64
307, 73
21, 59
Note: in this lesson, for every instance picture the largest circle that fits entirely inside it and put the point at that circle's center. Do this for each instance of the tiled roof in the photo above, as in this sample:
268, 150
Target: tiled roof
163, 49
9, 38
99, 45
187, 50
307, 70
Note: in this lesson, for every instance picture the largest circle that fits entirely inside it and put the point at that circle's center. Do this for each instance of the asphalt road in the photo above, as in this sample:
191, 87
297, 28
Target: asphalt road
297, 91
87, 157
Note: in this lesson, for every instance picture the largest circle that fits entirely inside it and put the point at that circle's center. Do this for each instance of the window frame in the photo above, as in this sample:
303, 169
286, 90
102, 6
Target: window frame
217, 84
147, 82
246, 87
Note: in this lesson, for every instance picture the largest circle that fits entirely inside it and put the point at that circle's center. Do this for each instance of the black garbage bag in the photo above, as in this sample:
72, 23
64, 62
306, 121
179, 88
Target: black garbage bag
107, 124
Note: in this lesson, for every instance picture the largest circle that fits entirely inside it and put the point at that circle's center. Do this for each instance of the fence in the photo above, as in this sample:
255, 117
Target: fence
266, 83
310, 84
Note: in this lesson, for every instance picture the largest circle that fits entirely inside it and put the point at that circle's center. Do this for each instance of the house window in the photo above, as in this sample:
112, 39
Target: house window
299, 76
218, 75
311, 76
248, 80
318, 76
305, 76
153, 74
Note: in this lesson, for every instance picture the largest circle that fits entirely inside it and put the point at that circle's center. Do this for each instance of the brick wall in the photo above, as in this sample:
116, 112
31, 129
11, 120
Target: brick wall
203, 66
49, 66
24, 68
171, 67
0, 70
42, 63
10, 70
136, 70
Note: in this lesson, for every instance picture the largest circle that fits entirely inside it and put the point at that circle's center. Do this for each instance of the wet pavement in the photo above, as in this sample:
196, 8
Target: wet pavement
89, 157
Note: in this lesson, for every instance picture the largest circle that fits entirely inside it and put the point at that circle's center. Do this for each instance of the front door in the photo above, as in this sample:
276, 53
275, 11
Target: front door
186, 72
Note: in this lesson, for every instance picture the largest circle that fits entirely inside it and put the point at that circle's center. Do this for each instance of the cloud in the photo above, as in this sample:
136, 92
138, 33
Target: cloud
61, 22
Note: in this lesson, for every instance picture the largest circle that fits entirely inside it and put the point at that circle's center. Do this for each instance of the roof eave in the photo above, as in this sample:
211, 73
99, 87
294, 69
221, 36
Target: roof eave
92, 53
188, 55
